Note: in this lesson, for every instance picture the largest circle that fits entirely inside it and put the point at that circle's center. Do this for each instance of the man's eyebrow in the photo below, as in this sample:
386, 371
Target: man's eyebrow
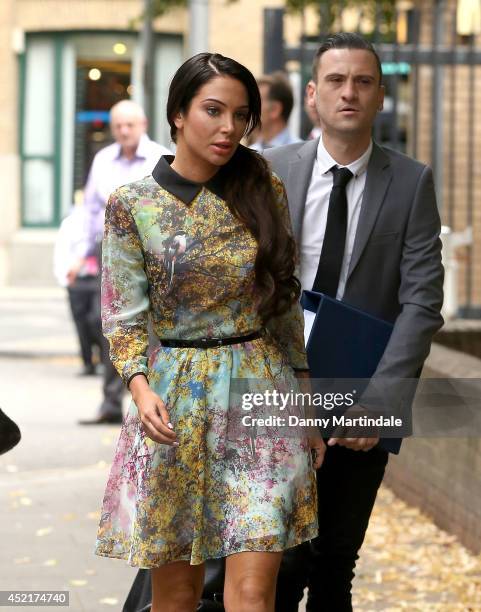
223, 103
356, 76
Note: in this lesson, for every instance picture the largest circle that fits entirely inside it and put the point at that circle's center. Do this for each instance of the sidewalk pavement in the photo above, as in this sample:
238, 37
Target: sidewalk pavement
36, 323
51, 486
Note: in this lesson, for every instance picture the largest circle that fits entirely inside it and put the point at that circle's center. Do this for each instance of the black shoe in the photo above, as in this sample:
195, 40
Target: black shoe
9, 433
88, 370
103, 419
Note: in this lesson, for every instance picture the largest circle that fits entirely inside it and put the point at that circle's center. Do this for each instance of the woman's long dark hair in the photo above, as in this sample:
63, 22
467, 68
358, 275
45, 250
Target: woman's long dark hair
249, 191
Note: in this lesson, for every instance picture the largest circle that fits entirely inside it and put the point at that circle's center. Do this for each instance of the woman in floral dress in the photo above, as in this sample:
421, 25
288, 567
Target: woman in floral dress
203, 247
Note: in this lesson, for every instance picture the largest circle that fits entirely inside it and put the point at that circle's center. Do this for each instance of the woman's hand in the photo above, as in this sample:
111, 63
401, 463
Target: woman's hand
316, 443
318, 450
152, 412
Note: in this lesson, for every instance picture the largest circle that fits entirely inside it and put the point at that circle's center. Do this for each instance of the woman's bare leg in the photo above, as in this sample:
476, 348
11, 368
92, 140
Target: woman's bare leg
250, 581
177, 587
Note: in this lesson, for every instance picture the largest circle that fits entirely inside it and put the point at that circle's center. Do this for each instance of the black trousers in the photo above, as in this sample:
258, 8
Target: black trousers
83, 300
347, 485
113, 386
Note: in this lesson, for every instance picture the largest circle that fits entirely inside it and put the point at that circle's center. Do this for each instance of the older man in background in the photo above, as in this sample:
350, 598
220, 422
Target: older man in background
131, 157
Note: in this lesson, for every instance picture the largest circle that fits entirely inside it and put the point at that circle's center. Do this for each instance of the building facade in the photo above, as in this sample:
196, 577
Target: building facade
64, 63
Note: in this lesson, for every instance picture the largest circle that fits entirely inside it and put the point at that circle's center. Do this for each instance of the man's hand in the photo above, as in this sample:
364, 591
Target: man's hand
341, 434
73, 272
316, 443
318, 450
357, 444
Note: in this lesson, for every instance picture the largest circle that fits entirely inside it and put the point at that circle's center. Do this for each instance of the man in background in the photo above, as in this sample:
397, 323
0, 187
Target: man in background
131, 157
277, 101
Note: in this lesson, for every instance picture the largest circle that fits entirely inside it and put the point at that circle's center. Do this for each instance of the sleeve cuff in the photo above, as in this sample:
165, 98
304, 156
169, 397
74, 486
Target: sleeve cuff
134, 367
134, 375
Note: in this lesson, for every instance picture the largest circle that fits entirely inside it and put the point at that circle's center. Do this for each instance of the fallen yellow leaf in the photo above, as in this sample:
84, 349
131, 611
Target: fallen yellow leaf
109, 601
76, 582
43, 531
17, 493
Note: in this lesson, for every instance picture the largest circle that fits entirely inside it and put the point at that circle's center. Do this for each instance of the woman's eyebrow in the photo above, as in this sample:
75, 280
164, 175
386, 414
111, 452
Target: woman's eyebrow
223, 103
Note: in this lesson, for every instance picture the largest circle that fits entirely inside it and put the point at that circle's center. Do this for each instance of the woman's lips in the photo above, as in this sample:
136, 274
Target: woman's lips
222, 148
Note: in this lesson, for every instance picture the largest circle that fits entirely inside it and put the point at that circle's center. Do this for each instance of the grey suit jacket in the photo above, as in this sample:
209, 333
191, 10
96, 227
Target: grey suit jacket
395, 271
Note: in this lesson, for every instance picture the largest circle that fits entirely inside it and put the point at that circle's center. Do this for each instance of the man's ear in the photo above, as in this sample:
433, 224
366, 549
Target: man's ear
311, 94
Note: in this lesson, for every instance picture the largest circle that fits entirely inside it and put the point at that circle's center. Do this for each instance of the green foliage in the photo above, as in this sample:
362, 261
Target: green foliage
296, 6
329, 11
159, 7
336, 6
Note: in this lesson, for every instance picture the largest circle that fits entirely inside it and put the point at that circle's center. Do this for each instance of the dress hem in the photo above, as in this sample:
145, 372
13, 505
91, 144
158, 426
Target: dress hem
277, 548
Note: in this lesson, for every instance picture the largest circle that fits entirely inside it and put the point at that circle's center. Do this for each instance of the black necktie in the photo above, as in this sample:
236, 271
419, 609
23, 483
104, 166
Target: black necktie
330, 261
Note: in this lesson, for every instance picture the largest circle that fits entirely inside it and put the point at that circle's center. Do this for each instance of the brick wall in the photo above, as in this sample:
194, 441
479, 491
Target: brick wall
237, 30
9, 163
8, 93
442, 477
458, 217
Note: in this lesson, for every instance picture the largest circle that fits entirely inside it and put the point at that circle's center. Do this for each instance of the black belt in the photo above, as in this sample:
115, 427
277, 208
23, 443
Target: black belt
205, 343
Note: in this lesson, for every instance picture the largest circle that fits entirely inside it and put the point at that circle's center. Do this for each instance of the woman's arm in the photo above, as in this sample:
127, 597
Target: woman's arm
125, 301
288, 329
125, 306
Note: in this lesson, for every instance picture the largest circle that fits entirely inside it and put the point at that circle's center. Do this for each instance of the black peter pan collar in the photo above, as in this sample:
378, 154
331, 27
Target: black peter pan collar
181, 187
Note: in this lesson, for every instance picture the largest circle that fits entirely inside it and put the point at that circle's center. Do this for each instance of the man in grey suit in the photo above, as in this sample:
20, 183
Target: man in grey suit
369, 236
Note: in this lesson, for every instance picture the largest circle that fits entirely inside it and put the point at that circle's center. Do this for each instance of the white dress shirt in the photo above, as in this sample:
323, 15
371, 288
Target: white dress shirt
283, 138
70, 246
315, 215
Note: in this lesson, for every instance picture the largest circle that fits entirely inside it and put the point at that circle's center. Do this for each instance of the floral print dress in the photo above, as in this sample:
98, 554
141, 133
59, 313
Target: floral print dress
173, 252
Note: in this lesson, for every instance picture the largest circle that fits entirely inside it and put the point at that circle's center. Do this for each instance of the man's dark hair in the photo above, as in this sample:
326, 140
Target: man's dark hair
279, 90
344, 40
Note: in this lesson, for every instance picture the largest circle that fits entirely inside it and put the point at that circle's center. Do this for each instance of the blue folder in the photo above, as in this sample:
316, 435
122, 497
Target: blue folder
345, 343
